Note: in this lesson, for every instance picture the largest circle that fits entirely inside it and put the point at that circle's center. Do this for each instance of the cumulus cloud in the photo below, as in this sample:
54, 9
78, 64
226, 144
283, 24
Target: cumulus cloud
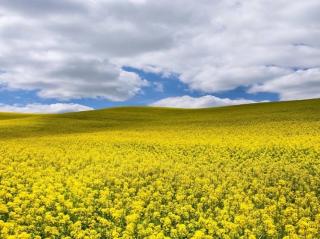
199, 102
302, 84
44, 108
66, 79
212, 45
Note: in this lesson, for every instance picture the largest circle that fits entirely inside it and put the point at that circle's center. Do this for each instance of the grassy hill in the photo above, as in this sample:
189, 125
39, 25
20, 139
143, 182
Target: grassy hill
249, 171
152, 118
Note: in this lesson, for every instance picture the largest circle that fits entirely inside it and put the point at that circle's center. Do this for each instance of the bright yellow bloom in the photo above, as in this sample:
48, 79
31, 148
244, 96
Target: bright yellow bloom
243, 172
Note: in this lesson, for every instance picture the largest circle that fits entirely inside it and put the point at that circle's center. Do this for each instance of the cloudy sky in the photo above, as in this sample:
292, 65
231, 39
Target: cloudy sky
71, 55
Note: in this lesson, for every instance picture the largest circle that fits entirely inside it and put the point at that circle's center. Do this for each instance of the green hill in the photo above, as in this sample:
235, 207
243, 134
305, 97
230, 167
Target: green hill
135, 118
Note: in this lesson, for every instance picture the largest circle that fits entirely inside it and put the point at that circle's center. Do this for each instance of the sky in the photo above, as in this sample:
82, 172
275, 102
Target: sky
73, 55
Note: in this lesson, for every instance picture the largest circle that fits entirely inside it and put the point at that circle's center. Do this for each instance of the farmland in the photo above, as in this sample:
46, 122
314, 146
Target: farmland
250, 171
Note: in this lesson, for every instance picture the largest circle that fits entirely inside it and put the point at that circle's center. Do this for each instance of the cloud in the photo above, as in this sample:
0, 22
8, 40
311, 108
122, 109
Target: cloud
225, 78
212, 45
302, 84
66, 79
32, 7
43, 108
199, 102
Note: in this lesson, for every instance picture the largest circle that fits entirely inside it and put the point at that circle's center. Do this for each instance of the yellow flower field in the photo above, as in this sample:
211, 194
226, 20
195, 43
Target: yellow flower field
235, 172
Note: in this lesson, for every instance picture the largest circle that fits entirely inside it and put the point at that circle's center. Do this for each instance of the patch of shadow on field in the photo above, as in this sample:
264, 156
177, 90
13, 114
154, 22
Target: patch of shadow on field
50, 126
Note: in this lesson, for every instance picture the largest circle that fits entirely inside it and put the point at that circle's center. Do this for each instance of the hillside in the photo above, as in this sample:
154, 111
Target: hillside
249, 171
152, 118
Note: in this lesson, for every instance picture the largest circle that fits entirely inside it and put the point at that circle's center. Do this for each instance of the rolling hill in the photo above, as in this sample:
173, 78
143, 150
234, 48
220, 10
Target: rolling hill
143, 118
248, 171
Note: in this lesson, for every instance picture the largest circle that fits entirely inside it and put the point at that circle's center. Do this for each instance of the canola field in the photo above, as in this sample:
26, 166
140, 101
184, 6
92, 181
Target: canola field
250, 171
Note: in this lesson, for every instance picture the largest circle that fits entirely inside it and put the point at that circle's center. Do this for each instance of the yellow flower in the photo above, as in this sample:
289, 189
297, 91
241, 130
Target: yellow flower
3, 209
161, 173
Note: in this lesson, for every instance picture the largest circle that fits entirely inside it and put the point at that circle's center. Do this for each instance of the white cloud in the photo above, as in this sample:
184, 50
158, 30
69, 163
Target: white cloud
66, 79
199, 102
44, 108
212, 45
302, 84
224, 78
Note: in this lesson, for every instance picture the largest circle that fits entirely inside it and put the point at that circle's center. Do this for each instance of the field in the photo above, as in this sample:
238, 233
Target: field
250, 171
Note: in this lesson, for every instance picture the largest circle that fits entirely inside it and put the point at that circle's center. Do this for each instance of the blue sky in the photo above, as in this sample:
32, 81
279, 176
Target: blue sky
170, 87
73, 55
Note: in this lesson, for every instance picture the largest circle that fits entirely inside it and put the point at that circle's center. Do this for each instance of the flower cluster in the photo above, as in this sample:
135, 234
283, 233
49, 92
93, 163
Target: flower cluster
165, 181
